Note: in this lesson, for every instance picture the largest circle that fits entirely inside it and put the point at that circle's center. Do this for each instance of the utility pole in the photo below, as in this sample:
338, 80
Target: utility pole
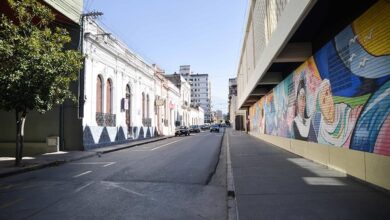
80, 91
94, 15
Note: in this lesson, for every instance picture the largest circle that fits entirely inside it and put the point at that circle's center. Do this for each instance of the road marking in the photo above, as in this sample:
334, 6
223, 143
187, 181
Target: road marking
166, 144
10, 203
10, 186
82, 187
6, 186
109, 164
81, 174
116, 185
106, 164
29, 186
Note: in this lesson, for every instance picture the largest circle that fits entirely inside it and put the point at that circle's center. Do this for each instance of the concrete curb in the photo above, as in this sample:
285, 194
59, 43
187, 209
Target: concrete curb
128, 145
232, 202
75, 158
214, 170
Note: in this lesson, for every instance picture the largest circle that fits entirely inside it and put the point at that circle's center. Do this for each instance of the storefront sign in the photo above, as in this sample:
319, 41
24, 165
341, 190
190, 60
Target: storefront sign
160, 102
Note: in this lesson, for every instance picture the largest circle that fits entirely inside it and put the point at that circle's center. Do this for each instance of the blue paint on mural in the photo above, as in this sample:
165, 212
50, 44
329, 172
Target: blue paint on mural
371, 120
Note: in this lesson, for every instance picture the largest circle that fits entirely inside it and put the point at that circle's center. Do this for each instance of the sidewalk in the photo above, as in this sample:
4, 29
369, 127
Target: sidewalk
7, 167
271, 183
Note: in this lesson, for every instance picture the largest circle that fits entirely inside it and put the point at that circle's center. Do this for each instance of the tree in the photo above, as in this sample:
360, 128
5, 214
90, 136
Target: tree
35, 70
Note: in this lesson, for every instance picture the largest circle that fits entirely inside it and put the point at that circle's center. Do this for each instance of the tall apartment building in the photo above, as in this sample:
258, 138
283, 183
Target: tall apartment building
314, 79
200, 90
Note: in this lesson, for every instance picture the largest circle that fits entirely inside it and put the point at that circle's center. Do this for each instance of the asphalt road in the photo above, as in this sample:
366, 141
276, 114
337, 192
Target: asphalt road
175, 178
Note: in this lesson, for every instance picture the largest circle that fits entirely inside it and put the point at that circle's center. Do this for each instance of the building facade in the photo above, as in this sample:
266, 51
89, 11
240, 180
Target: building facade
219, 116
313, 78
236, 116
119, 91
166, 103
196, 116
200, 89
183, 113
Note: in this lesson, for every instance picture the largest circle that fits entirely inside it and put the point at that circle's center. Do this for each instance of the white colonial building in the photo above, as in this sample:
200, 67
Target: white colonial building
166, 105
183, 114
119, 91
196, 116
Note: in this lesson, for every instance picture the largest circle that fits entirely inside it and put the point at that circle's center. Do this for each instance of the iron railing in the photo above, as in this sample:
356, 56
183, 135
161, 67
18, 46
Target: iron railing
147, 122
105, 119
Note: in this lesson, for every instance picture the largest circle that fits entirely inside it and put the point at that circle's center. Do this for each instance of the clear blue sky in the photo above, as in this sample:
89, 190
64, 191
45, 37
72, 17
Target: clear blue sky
205, 34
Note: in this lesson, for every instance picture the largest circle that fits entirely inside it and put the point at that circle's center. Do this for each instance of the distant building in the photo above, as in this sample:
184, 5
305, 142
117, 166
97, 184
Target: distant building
166, 104
185, 69
183, 114
196, 116
200, 90
219, 116
236, 116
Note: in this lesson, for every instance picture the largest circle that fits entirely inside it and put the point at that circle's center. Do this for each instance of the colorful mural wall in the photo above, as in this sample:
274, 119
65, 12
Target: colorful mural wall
341, 95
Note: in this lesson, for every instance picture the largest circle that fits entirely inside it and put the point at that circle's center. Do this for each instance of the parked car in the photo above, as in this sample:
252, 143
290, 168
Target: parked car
182, 130
214, 128
204, 127
195, 128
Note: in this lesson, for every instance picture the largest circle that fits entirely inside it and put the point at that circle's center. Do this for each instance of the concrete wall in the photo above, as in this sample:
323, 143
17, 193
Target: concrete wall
37, 128
372, 168
335, 107
40, 126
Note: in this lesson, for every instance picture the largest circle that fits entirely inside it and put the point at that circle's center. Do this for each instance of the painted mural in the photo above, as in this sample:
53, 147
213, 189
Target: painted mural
341, 95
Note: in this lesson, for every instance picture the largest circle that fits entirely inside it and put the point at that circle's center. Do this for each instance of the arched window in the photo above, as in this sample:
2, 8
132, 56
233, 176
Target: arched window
99, 94
128, 110
109, 97
143, 105
147, 106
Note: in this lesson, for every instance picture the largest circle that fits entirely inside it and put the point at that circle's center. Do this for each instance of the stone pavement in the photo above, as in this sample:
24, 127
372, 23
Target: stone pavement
271, 183
7, 167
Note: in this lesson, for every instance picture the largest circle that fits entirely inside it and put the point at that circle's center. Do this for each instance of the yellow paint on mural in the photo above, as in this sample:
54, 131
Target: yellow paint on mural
308, 65
373, 29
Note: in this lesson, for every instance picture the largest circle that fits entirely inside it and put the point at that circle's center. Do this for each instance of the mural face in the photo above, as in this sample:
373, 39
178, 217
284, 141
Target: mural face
341, 95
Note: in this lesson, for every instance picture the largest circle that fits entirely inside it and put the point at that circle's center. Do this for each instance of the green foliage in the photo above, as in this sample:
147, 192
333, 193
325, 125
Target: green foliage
35, 69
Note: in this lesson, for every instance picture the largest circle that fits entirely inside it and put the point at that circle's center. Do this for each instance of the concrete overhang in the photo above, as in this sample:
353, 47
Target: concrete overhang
306, 25
293, 14
294, 52
270, 78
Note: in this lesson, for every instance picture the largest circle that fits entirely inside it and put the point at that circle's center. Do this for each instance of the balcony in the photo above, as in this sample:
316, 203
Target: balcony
147, 122
105, 119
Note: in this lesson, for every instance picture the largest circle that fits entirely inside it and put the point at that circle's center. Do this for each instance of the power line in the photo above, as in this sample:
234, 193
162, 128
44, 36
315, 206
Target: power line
120, 36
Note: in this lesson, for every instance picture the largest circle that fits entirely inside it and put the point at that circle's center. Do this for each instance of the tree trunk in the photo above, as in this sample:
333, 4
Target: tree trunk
20, 119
